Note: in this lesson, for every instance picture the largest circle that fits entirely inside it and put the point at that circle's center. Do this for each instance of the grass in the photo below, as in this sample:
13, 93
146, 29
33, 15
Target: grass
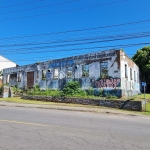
19, 100
137, 97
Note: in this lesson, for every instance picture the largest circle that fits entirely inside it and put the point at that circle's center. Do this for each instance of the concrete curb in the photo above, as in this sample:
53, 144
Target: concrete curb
95, 110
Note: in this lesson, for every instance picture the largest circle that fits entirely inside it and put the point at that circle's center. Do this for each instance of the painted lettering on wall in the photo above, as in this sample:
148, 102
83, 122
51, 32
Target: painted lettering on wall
96, 56
62, 63
107, 82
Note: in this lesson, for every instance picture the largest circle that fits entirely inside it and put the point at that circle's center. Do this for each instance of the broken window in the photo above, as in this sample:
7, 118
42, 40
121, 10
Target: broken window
130, 73
85, 70
43, 74
69, 72
134, 76
7, 78
137, 77
126, 71
13, 76
19, 77
104, 69
56, 73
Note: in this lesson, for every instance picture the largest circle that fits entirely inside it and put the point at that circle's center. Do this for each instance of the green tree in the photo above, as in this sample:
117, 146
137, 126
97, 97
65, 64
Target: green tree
142, 59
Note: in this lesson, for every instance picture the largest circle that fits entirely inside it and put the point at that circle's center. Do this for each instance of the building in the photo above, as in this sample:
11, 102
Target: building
112, 71
5, 63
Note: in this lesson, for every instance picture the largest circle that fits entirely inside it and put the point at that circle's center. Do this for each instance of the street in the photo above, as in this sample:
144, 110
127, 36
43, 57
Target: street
47, 129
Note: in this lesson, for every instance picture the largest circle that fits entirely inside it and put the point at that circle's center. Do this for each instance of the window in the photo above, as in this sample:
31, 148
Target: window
37, 74
137, 77
134, 76
85, 70
130, 74
43, 74
69, 72
19, 77
126, 72
7, 78
12, 76
104, 69
55, 73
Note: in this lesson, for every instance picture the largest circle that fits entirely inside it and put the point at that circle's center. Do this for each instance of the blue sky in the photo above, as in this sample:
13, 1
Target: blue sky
39, 30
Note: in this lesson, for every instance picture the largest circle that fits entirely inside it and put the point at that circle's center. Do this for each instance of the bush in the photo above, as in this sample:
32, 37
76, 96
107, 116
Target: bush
46, 92
71, 88
90, 92
16, 90
1, 89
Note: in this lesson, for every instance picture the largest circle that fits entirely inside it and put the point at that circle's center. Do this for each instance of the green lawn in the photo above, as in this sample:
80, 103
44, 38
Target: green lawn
19, 100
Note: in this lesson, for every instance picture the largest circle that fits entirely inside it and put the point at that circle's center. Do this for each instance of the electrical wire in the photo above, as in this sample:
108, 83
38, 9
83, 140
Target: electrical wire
21, 4
80, 30
56, 4
63, 11
129, 35
92, 48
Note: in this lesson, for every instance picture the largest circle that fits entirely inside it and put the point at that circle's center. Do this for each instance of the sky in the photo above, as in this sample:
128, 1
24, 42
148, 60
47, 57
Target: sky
40, 30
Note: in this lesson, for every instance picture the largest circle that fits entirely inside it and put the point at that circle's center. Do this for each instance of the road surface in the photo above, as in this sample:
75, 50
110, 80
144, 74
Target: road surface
46, 129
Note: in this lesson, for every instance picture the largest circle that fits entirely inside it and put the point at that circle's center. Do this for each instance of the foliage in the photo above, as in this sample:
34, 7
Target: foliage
46, 92
1, 89
90, 91
71, 88
94, 92
17, 90
142, 59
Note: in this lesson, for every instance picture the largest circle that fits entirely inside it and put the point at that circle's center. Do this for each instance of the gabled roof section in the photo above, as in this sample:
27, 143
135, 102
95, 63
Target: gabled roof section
3, 59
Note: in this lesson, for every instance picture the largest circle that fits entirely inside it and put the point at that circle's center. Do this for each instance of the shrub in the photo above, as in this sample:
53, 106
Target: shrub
71, 88
90, 92
1, 89
16, 90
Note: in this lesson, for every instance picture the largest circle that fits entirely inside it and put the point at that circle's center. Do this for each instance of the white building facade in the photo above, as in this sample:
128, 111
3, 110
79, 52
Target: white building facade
5, 63
111, 72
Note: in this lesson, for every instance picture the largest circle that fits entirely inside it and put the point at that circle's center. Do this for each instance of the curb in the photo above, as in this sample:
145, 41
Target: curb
66, 109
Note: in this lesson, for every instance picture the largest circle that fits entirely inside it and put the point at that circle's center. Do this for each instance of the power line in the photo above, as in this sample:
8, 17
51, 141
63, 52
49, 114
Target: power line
79, 30
46, 39
133, 35
63, 11
83, 43
21, 4
56, 4
88, 48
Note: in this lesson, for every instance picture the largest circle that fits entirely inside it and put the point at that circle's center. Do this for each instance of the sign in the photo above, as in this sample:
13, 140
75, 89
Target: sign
143, 83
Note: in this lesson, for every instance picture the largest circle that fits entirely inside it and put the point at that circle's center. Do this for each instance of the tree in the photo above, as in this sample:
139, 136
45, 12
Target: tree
142, 59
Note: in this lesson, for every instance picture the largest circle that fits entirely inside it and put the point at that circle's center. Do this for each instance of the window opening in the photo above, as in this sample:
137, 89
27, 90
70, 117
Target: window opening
85, 70
104, 69
69, 72
56, 73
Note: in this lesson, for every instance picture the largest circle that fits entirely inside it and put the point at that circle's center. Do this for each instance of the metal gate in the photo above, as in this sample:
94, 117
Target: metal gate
30, 79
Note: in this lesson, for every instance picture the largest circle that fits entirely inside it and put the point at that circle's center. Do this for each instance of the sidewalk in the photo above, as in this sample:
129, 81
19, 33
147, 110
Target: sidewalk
82, 108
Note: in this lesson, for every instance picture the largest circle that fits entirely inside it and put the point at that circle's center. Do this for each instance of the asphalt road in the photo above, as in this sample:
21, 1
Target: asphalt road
46, 129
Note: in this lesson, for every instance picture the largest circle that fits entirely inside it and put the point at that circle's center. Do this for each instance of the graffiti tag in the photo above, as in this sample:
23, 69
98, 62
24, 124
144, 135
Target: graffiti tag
108, 82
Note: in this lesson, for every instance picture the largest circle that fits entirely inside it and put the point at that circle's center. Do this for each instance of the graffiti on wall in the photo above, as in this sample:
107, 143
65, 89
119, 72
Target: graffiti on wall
62, 63
112, 92
106, 82
96, 56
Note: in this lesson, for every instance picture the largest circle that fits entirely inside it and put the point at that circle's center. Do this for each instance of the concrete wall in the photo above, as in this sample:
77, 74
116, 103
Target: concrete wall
130, 82
128, 105
101, 70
